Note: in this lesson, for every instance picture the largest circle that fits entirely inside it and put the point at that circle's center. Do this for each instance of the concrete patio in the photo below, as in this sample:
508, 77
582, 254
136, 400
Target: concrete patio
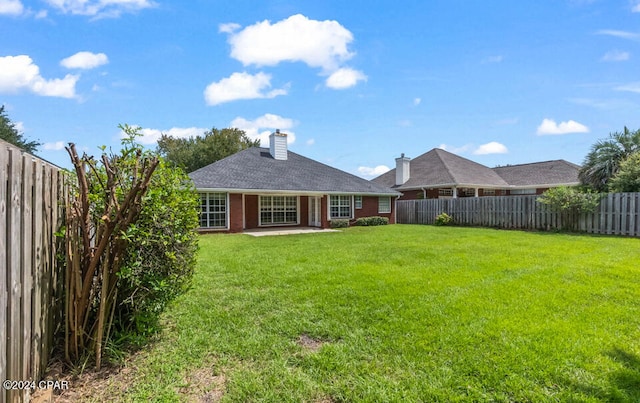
286, 231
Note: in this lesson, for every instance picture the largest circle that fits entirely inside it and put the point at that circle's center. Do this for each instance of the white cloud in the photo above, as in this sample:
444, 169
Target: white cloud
636, 7
151, 136
631, 87
417, 101
370, 172
229, 27
295, 39
619, 34
549, 126
19, 73
345, 78
11, 7
85, 60
263, 126
100, 8
455, 150
241, 86
57, 146
491, 148
311, 142
615, 56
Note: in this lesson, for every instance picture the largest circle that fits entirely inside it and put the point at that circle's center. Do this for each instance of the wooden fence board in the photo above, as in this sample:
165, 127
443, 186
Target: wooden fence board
618, 213
4, 278
14, 351
27, 225
30, 195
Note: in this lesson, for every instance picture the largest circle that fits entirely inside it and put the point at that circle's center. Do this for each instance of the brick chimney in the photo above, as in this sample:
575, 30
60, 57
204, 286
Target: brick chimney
278, 145
403, 166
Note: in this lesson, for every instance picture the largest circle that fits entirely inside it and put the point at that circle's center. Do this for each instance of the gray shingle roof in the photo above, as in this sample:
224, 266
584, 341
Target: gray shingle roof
255, 168
556, 172
439, 168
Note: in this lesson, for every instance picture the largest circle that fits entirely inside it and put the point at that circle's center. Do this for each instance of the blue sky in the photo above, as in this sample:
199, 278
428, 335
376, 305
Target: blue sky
354, 83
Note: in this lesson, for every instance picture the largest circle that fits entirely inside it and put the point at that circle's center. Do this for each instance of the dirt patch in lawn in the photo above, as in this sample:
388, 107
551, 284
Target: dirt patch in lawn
111, 383
309, 343
107, 384
203, 385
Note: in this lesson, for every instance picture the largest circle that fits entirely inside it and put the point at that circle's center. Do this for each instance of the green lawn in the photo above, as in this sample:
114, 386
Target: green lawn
402, 313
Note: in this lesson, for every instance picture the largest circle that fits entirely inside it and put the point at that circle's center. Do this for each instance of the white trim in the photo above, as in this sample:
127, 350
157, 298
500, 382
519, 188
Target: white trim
313, 212
352, 213
485, 186
244, 216
227, 212
384, 212
276, 192
260, 224
354, 202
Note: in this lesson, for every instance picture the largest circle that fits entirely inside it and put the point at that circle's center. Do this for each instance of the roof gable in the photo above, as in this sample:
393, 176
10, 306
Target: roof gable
255, 168
556, 172
442, 168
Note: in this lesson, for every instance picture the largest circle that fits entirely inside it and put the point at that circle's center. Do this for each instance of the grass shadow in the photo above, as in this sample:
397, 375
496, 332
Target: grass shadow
623, 385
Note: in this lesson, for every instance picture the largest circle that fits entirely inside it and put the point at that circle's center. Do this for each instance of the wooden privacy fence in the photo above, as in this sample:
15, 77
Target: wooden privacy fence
31, 191
617, 214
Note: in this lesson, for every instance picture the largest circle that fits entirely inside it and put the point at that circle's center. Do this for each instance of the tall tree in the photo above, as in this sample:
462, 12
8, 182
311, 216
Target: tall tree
603, 161
196, 152
9, 133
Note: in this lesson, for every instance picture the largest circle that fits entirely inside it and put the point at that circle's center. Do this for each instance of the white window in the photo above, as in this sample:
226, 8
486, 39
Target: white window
445, 192
468, 192
213, 210
384, 204
357, 200
489, 192
340, 206
278, 210
523, 191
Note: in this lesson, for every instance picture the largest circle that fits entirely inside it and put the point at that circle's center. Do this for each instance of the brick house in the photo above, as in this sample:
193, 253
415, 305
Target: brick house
440, 174
273, 187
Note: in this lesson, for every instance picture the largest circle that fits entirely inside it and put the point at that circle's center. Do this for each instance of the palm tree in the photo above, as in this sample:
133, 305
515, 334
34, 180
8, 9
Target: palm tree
603, 161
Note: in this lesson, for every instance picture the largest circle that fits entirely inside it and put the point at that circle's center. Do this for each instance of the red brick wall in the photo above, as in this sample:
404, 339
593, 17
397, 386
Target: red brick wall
303, 210
251, 211
235, 212
412, 195
370, 209
324, 215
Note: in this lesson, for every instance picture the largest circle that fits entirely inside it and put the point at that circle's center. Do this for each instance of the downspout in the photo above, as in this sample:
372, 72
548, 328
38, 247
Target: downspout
424, 193
395, 209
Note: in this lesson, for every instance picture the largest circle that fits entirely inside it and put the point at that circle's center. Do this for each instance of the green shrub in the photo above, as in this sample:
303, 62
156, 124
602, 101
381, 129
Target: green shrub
567, 199
162, 249
339, 223
372, 221
628, 177
443, 219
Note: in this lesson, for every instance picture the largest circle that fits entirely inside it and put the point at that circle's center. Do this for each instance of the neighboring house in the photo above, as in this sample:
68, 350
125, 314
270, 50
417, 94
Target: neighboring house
439, 173
273, 187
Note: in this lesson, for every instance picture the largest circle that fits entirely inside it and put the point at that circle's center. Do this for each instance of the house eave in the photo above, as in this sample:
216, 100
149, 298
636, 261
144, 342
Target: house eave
484, 186
293, 192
